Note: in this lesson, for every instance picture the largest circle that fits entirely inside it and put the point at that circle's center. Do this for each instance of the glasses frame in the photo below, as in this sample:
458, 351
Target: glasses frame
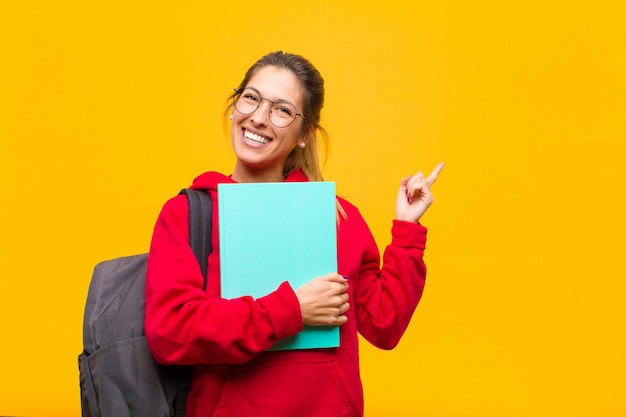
238, 93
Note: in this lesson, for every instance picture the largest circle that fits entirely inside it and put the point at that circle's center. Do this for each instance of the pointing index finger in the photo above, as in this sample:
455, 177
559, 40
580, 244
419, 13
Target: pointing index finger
433, 175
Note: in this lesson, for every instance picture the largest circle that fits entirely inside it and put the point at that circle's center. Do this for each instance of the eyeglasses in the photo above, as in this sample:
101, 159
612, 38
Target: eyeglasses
282, 113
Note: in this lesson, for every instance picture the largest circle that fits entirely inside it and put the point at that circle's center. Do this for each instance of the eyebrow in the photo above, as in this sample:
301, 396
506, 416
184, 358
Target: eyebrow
278, 100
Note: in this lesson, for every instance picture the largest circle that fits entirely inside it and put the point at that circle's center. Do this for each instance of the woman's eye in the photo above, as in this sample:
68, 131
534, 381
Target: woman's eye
251, 97
284, 110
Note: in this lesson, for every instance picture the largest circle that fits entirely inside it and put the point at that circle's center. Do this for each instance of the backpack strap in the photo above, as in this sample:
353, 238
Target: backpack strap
200, 218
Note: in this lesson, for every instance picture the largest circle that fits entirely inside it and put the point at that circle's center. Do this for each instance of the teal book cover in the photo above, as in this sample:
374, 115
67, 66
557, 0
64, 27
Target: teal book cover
275, 232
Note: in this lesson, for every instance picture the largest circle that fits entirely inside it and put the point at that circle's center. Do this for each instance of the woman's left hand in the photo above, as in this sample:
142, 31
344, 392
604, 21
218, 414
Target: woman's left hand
414, 196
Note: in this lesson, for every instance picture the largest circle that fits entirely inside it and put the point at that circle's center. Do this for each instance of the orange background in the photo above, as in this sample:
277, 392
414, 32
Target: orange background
108, 109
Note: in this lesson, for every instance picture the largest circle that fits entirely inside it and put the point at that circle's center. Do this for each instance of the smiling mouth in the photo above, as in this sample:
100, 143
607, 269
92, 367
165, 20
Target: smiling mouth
255, 138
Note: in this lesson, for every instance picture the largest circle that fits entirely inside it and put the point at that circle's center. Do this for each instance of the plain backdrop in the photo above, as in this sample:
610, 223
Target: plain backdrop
109, 108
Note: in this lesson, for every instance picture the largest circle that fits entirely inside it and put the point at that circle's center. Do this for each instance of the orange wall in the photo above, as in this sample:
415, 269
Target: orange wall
107, 110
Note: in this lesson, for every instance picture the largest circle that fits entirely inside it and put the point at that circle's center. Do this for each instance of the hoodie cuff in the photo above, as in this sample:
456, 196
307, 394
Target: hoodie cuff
408, 235
281, 306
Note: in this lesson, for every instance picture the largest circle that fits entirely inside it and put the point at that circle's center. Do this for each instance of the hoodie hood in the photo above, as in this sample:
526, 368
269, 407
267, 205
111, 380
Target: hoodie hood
209, 180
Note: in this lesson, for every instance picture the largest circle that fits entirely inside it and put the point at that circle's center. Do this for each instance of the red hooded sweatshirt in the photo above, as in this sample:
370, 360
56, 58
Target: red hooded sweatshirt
226, 340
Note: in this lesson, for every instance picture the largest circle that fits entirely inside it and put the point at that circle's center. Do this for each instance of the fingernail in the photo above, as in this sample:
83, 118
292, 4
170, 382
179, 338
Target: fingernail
345, 277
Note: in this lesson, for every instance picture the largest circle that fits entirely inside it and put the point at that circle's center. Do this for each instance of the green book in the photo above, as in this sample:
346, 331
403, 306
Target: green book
275, 232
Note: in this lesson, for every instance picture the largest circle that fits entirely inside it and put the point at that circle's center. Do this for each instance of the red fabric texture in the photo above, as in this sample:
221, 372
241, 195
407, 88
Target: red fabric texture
227, 340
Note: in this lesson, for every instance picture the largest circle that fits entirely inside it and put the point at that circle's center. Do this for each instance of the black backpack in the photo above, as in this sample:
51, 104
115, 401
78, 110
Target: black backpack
118, 375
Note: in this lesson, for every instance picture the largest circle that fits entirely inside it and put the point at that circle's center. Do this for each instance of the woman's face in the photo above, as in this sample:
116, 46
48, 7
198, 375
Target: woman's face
261, 147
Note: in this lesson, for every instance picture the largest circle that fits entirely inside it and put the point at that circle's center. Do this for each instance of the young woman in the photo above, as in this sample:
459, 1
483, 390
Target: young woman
275, 116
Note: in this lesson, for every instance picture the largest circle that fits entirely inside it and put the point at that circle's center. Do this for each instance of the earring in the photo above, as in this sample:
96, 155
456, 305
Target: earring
302, 145
231, 117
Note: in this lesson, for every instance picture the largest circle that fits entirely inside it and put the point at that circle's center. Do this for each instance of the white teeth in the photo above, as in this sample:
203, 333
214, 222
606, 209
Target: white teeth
255, 137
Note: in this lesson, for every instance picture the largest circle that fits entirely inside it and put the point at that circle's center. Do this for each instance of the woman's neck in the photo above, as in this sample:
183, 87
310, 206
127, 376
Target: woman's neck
243, 173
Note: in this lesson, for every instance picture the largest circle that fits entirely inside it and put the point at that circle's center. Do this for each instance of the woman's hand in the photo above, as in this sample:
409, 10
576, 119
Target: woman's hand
414, 196
324, 300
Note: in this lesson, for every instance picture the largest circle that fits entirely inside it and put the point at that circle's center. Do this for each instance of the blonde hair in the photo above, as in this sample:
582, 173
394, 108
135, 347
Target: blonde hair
307, 158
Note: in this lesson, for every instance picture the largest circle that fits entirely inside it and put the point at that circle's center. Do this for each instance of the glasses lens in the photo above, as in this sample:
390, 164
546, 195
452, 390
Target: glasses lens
282, 114
247, 102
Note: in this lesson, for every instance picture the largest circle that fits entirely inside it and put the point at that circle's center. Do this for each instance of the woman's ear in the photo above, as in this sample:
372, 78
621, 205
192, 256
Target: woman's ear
306, 138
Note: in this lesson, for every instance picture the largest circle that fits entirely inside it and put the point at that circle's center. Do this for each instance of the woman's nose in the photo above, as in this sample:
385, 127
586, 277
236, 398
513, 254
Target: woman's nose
262, 114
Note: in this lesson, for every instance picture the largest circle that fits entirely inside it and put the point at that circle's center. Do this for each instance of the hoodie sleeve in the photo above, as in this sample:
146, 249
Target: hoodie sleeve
385, 298
184, 325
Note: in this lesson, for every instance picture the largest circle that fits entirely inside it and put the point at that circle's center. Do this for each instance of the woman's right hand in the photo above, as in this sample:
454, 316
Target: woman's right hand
324, 301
